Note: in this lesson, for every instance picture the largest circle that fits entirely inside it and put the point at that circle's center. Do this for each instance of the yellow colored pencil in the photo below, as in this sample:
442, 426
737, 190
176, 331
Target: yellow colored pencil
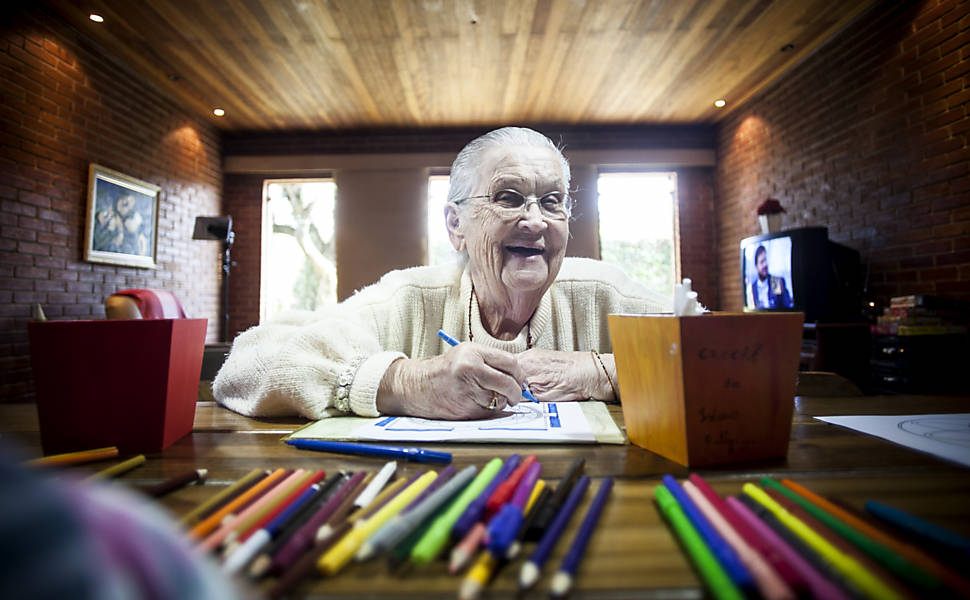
478, 576
118, 469
338, 556
364, 511
75, 458
848, 566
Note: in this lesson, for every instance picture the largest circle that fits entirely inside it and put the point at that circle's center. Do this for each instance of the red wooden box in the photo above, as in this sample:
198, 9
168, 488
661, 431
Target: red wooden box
125, 383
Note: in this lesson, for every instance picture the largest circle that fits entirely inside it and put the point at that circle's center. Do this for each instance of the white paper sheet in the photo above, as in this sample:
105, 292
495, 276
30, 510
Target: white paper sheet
946, 436
526, 422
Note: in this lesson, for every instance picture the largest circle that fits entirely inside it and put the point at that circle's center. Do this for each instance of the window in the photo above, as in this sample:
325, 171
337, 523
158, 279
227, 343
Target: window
440, 250
636, 226
298, 258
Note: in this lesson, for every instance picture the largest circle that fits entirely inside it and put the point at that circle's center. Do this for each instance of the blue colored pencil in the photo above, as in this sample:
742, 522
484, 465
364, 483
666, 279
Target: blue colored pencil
533, 567
919, 527
720, 548
476, 508
453, 342
562, 581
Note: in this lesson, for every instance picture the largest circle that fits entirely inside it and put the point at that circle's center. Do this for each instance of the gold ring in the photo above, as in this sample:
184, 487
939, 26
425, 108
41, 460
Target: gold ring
494, 403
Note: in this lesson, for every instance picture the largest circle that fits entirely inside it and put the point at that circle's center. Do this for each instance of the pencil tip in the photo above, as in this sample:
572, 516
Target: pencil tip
202, 473
528, 575
260, 566
561, 582
469, 590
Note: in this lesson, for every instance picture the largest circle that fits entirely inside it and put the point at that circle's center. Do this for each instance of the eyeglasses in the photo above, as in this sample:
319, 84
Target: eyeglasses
510, 203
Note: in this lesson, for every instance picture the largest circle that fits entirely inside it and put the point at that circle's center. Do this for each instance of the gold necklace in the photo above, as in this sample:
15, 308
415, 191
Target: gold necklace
471, 337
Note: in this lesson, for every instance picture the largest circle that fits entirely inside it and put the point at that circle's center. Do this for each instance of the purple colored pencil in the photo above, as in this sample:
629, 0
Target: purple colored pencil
439, 481
476, 508
562, 581
533, 567
303, 539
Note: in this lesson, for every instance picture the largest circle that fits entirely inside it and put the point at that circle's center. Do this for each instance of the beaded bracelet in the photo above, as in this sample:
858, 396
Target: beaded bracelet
607, 373
344, 381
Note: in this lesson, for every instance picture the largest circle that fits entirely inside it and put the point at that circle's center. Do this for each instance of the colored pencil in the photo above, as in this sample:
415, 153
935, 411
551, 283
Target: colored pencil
815, 583
170, 485
376, 484
478, 576
340, 514
784, 570
503, 492
548, 511
562, 581
540, 496
237, 521
847, 565
399, 527
532, 568
381, 499
467, 547
436, 536
341, 553
305, 562
719, 584
304, 538
261, 564
210, 523
118, 469
888, 557
505, 525
914, 554
221, 498
74, 458
769, 583
476, 508
725, 555
242, 553
920, 528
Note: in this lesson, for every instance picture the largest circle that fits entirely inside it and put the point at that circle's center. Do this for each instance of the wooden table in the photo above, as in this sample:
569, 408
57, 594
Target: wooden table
632, 554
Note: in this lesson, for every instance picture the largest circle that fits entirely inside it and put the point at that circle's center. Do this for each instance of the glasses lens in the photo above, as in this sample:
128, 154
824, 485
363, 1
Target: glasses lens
554, 205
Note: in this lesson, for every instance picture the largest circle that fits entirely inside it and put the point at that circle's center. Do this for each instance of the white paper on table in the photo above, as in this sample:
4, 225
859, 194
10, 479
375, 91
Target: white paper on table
946, 436
535, 422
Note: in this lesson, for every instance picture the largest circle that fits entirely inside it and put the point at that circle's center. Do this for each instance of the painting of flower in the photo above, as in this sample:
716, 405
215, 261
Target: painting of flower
122, 223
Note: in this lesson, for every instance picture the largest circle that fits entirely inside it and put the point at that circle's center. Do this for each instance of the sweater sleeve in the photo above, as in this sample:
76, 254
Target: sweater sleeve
292, 364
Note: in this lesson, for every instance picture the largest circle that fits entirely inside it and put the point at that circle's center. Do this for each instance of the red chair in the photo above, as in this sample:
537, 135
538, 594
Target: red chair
144, 304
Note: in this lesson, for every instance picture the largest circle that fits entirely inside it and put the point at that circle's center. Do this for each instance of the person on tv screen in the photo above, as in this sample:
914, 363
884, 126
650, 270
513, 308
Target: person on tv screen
768, 291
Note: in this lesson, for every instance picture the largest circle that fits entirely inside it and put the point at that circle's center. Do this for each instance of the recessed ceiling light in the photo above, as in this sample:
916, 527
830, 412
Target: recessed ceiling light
96, 18
218, 112
720, 103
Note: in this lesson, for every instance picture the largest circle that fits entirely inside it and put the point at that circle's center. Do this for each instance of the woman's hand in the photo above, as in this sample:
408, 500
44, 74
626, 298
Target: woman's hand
456, 385
555, 376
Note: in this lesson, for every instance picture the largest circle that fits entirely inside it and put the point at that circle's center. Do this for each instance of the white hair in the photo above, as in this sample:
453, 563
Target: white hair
465, 171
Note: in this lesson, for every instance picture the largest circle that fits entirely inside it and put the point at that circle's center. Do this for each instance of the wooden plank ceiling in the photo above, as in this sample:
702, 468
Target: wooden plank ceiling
336, 64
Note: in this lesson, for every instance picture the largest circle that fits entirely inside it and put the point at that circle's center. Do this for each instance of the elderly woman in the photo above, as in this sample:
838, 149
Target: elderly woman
526, 315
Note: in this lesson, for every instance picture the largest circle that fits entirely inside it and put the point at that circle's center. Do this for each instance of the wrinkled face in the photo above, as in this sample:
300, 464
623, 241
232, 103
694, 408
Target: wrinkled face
523, 250
761, 263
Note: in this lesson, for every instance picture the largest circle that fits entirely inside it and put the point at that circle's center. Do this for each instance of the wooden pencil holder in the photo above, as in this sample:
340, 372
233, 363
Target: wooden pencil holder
708, 389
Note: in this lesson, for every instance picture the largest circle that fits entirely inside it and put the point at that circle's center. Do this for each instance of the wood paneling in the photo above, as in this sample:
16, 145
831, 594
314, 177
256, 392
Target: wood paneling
329, 64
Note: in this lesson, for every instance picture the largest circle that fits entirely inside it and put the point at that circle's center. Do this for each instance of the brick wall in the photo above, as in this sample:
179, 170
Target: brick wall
244, 201
64, 106
869, 137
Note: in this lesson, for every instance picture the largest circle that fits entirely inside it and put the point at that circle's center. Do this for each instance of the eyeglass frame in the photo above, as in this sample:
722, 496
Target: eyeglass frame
526, 201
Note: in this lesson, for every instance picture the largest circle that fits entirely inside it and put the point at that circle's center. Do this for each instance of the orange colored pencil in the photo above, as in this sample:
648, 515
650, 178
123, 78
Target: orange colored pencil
212, 521
913, 554
74, 458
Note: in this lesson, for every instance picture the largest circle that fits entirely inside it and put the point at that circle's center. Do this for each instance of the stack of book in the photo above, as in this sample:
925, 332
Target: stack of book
923, 315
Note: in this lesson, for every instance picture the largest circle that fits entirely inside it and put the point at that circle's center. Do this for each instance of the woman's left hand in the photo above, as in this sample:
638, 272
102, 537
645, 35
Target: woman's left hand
554, 376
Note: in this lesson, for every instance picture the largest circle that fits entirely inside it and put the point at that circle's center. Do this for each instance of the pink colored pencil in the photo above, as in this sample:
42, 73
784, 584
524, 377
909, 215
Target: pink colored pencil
467, 547
769, 584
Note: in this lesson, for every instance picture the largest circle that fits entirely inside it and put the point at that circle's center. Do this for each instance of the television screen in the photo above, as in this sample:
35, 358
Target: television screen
768, 274
801, 270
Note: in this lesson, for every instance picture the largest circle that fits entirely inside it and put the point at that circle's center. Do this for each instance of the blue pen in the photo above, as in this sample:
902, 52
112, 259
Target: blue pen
724, 553
392, 452
453, 342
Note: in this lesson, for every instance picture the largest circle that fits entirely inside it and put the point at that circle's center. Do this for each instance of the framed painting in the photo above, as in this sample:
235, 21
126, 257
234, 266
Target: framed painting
122, 223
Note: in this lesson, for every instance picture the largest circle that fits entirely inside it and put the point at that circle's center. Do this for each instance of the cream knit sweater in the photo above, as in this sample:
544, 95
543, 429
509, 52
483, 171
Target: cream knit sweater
290, 364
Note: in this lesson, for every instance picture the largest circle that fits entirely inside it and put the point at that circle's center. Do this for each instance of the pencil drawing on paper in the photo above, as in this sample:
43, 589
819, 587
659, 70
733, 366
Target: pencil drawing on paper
525, 416
952, 431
